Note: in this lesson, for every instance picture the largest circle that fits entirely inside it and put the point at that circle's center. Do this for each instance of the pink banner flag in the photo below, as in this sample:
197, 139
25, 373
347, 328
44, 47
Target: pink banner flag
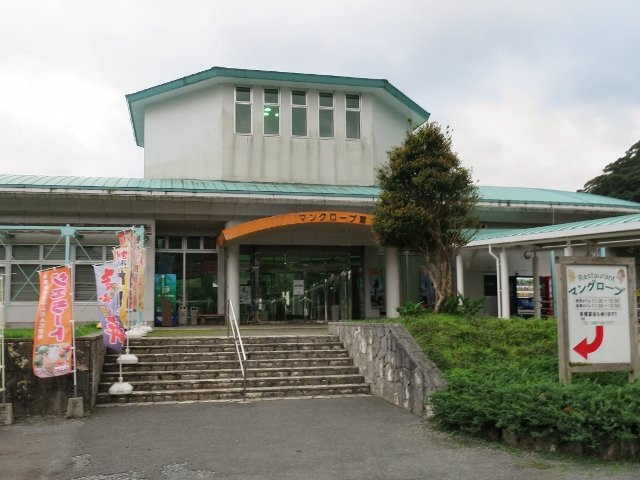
53, 335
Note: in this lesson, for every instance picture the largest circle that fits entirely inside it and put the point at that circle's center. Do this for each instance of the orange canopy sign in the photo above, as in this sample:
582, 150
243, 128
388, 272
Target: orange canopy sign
289, 219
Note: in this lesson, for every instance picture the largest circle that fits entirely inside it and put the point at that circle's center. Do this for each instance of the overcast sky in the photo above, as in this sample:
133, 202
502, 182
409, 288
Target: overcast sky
538, 93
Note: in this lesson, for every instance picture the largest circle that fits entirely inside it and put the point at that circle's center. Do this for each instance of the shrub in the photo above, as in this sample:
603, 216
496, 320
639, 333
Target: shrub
503, 374
464, 306
411, 309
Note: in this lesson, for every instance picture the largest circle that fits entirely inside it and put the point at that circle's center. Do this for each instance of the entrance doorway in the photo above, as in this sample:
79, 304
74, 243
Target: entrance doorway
301, 284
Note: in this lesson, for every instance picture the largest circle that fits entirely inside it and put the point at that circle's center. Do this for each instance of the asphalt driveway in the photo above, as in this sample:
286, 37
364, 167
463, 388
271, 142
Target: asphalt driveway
331, 438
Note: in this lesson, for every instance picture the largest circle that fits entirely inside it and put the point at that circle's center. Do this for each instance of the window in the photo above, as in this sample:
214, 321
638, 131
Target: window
243, 110
299, 113
175, 242
271, 111
25, 283
85, 283
89, 253
353, 115
53, 252
26, 252
193, 243
325, 114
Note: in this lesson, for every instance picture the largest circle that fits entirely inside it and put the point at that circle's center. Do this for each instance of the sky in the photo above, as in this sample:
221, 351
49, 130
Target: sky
540, 93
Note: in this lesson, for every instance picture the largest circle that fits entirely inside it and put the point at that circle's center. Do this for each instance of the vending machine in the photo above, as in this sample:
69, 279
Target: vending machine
524, 297
521, 295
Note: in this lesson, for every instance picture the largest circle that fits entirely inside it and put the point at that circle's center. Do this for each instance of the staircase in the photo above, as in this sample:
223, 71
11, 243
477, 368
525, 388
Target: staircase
207, 369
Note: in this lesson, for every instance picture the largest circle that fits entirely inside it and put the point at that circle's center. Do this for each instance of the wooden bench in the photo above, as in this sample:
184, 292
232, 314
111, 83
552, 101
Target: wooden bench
210, 318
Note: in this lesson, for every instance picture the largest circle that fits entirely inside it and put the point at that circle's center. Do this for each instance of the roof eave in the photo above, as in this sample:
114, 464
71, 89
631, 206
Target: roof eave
222, 72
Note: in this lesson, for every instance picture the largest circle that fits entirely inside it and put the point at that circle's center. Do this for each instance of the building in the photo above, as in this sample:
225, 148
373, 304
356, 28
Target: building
258, 188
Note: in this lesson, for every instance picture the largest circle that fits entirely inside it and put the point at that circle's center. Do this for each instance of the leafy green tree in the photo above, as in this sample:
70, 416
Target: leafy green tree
621, 179
426, 204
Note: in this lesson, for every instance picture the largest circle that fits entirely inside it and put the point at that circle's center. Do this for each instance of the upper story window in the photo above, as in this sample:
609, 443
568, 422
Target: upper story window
299, 113
271, 111
353, 116
325, 114
243, 110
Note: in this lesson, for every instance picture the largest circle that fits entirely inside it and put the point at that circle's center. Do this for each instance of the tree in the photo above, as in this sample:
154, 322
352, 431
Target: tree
426, 203
620, 179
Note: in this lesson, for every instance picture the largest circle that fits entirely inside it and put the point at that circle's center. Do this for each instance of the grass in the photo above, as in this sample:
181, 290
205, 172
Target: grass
80, 331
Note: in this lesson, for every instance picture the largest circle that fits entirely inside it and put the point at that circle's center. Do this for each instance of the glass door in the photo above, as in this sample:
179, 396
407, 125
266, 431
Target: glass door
303, 284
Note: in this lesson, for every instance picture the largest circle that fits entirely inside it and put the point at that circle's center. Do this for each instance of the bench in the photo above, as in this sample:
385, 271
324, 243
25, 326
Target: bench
210, 318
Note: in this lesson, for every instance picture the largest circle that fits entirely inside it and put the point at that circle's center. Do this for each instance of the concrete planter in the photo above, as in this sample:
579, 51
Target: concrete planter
31, 395
392, 362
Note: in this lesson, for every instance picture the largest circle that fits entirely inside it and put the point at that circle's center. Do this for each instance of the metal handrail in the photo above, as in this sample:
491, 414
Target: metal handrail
237, 340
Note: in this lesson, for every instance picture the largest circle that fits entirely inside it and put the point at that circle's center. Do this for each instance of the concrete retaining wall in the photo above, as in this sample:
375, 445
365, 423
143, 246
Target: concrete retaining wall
31, 395
392, 362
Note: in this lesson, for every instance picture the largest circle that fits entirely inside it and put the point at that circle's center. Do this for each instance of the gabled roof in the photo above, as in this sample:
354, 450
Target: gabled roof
511, 195
489, 196
601, 229
138, 100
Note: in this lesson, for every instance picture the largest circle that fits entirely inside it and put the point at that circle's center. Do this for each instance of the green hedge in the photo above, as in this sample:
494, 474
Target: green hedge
503, 375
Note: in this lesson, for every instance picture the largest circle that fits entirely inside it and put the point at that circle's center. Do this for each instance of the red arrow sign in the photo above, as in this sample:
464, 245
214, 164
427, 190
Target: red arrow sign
584, 348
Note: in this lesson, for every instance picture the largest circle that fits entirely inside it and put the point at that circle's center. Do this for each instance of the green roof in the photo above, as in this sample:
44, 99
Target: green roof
137, 119
505, 196
546, 196
184, 185
585, 226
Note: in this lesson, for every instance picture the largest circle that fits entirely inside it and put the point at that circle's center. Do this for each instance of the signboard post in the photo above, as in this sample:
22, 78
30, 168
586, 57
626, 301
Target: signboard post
597, 319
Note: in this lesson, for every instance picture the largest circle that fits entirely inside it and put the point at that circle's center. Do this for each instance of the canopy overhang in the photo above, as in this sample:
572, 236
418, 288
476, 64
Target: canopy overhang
612, 230
355, 219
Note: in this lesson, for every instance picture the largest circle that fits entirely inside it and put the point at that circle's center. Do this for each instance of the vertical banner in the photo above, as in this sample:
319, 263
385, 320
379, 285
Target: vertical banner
52, 339
123, 267
113, 334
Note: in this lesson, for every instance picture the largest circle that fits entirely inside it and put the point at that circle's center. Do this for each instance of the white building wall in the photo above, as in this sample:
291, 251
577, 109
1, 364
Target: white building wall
389, 129
193, 136
183, 136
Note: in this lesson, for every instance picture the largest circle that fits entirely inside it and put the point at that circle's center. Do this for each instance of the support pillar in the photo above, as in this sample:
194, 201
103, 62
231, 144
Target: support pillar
537, 306
552, 262
460, 275
392, 282
568, 250
221, 281
233, 276
504, 282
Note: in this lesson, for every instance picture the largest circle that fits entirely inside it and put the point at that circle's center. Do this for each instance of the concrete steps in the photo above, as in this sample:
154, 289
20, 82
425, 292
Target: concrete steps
207, 369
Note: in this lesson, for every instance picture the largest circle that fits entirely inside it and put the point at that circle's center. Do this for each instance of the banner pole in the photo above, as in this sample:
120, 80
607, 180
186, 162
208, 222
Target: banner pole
2, 366
121, 387
73, 332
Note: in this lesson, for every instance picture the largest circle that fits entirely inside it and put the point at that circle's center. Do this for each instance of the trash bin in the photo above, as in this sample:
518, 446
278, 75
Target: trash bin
182, 315
193, 315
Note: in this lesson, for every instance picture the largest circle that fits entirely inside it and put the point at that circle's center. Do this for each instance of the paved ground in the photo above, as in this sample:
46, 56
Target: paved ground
333, 438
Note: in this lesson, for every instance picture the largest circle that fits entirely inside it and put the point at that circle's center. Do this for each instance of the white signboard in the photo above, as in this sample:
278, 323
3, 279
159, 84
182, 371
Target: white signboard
598, 314
298, 287
597, 325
